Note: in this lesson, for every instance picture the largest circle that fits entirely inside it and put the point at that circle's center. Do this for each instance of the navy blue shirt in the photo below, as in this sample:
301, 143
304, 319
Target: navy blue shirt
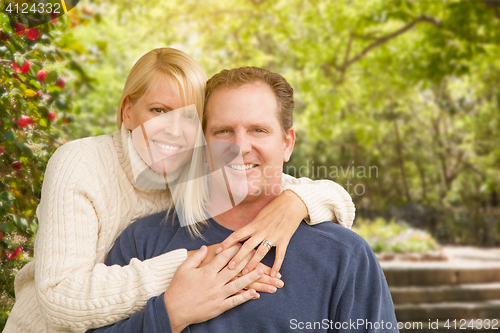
333, 282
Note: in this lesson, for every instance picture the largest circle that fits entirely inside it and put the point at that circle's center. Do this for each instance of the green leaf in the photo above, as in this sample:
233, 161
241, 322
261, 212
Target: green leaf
54, 90
10, 135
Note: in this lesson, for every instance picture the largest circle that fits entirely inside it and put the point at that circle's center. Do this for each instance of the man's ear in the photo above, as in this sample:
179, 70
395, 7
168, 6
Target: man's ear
126, 113
288, 144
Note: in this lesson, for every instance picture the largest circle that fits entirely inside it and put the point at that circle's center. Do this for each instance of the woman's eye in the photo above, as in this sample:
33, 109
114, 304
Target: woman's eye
158, 110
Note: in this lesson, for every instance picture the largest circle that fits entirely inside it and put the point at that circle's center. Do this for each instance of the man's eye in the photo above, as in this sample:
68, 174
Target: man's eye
221, 132
259, 130
158, 110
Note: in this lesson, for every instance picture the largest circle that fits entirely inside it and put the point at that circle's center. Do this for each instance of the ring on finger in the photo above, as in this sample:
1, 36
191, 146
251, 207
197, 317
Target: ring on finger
267, 244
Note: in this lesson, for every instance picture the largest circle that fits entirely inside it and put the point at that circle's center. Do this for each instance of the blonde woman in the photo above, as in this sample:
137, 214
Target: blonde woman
91, 193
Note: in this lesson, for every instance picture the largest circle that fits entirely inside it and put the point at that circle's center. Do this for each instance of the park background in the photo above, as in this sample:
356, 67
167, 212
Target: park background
398, 101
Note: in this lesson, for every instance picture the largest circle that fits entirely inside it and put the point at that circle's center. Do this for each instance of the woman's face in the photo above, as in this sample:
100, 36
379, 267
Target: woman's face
163, 130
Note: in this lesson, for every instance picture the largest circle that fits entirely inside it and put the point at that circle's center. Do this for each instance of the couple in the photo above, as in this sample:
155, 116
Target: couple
91, 195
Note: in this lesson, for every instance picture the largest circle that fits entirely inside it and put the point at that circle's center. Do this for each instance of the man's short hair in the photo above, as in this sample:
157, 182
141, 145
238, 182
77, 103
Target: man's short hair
237, 77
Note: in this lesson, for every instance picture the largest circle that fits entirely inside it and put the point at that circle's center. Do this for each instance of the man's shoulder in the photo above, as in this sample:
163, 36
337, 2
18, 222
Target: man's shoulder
334, 237
148, 228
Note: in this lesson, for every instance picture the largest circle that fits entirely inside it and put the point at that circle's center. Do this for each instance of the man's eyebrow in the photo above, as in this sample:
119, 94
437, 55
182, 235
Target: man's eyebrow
219, 127
227, 127
169, 108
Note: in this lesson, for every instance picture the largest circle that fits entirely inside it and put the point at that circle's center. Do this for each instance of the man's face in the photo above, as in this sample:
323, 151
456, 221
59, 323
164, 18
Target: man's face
248, 117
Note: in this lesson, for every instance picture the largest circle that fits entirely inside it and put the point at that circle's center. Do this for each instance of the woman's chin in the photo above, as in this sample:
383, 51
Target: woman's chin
164, 168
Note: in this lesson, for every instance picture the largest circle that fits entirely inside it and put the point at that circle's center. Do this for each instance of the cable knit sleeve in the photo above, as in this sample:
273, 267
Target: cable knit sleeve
74, 290
325, 200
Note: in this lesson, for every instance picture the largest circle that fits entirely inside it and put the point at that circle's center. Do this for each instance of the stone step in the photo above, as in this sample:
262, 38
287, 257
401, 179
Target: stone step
450, 326
447, 310
434, 276
447, 293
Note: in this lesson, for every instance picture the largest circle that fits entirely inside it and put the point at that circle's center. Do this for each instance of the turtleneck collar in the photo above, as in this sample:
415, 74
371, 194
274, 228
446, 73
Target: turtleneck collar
138, 172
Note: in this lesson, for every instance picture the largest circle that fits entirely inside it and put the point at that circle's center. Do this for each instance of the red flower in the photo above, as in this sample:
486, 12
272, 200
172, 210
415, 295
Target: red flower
33, 33
25, 68
38, 94
16, 165
3, 37
60, 83
15, 253
51, 115
19, 28
41, 75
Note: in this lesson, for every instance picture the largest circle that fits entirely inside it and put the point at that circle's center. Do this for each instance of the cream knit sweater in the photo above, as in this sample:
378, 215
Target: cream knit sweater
89, 197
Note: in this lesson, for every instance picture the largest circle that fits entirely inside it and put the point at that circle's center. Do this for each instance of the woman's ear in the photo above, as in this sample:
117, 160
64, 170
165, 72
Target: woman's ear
126, 113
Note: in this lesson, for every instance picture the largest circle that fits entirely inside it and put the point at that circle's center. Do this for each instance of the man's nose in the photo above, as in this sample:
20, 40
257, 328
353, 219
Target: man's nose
243, 141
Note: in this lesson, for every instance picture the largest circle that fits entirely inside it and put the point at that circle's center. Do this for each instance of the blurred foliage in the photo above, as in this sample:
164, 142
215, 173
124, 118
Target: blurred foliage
406, 89
394, 237
35, 115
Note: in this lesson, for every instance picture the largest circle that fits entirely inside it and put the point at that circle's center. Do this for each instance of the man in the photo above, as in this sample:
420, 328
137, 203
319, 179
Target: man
333, 281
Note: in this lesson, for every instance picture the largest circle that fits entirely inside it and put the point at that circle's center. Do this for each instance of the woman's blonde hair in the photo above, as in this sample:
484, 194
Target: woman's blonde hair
187, 80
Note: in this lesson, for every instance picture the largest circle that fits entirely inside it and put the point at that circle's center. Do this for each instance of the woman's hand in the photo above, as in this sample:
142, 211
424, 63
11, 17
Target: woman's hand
275, 223
197, 294
266, 283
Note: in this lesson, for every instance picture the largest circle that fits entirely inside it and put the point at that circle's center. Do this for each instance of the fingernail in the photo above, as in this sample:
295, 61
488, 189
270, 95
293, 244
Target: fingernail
257, 295
245, 271
273, 273
219, 250
232, 265
278, 275
253, 293
253, 252
280, 283
272, 289
259, 272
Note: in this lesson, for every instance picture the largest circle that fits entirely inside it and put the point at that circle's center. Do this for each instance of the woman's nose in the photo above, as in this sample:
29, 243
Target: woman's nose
173, 125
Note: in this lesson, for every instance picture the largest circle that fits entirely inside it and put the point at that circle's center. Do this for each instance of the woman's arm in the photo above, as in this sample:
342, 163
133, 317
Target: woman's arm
196, 293
301, 199
325, 200
75, 291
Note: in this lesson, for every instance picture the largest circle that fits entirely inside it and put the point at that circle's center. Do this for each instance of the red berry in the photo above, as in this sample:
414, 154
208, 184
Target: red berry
1, 235
25, 68
51, 115
14, 254
33, 33
30, 121
73, 24
1, 150
38, 94
41, 75
53, 15
16, 165
3, 37
60, 83
19, 28
24, 121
